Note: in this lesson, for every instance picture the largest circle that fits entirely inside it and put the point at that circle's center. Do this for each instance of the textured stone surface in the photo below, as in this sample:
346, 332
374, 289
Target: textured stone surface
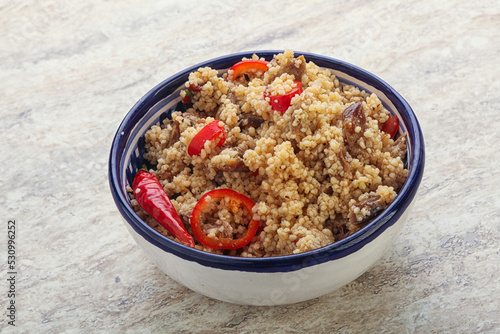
70, 71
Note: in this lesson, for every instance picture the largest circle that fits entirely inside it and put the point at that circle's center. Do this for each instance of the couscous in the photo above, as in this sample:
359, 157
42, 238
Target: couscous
273, 158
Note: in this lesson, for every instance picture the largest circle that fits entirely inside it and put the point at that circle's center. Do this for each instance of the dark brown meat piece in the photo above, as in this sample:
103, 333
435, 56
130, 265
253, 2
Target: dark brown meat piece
353, 117
250, 120
219, 178
346, 166
193, 116
295, 67
399, 149
234, 164
338, 227
210, 223
232, 97
175, 134
374, 204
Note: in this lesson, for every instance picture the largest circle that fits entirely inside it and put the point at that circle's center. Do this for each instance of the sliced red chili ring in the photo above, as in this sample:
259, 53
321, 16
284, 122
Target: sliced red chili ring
391, 126
247, 66
193, 88
220, 242
282, 102
209, 132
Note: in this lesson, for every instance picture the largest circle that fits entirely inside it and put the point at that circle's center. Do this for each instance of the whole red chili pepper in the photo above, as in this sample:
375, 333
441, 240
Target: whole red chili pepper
152, 198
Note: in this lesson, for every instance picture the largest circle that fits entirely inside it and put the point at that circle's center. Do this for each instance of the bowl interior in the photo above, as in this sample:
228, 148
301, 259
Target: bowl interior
128, 149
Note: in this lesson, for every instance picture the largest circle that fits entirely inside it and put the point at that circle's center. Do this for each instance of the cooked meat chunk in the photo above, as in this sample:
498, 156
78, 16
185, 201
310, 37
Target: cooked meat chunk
192, 116
223, 229
399, 149
175, 134
365, 210
338, 227
232, 97
295, 67
230, 160
353, 127
250, 120
234, 165
219, 178
346, 166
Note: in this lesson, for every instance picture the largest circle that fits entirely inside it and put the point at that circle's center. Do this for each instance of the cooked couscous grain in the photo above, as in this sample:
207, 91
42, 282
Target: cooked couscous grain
317, 172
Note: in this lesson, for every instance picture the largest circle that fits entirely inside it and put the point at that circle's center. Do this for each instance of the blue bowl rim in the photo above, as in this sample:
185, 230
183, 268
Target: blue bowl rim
283, 263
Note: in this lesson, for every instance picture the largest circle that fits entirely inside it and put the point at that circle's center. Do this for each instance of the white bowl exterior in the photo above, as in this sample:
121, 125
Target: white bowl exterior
255, 288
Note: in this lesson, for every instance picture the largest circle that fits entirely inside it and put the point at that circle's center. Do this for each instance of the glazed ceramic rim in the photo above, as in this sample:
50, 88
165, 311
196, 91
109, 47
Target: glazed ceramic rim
284, 263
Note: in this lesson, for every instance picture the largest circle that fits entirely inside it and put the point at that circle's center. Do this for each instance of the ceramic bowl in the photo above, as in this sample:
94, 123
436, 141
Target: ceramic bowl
274, 280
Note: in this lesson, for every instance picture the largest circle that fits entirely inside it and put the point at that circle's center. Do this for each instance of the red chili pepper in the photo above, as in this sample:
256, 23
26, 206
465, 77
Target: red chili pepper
391, 126
152, 198
193, 88
210, 132
186, 100
247, 66
282, 102
219, 242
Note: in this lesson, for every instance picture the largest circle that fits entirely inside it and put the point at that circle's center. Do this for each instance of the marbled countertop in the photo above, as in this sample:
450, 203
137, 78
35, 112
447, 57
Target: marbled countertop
71, 70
